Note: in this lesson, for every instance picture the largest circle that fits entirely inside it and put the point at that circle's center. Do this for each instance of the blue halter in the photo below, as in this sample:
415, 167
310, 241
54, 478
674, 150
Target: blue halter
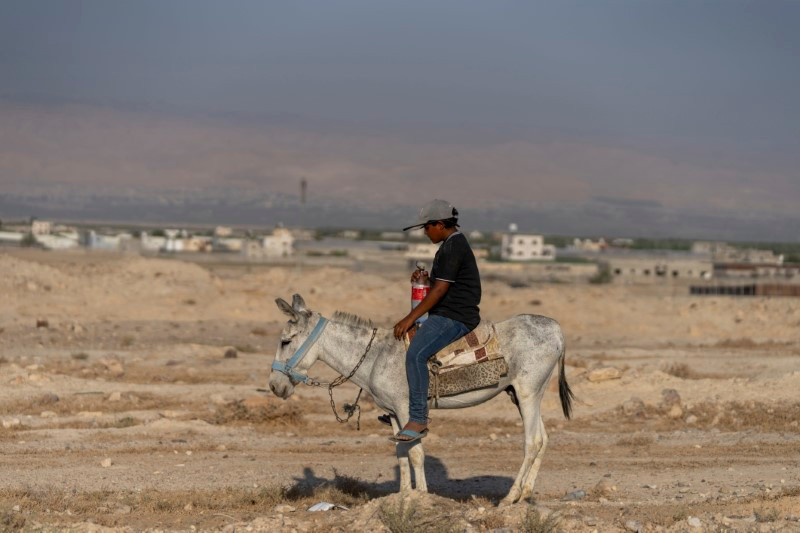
288, 366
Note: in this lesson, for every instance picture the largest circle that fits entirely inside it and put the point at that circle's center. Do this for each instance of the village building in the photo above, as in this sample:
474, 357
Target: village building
525, 247
11, 238
223, 231
589, 245
721, 252
279, 244
41, 227
655, 267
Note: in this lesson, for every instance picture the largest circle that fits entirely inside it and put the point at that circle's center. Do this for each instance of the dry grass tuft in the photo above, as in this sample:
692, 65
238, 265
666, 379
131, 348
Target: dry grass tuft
273, 413
636, 440
410, 517
11, 521
246, 348
764, 515
71, 405
679, 370
534, 523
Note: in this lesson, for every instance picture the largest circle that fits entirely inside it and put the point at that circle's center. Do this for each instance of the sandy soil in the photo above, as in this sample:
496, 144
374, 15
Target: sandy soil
120, 409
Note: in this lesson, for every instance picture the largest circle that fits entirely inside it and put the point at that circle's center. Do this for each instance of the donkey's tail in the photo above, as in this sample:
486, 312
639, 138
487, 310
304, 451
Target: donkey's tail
564, 392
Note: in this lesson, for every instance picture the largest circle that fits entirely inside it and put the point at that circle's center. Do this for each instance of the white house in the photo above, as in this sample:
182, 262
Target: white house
522, 247
279, 244
41, 227
59, 242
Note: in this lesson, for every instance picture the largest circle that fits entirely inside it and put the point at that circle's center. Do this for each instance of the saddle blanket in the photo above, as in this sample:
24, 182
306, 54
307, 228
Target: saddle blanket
472, 362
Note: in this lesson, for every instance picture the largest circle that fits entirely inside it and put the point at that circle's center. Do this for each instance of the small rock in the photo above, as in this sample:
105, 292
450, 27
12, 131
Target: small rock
492, 436
42, 323
695, 522
574, 496
48, 414
221, 448
11, 423
105, 463
604, 374
113, 366
231, 353
633, 407
48, 398
633, 525
675, 412
691, 419
284, 508
604, 488
90, 414
670, 397
218, 399
188, 507
123, 509
115, 396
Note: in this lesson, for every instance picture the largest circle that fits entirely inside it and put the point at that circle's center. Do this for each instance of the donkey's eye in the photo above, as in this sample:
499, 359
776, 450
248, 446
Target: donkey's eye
284, 342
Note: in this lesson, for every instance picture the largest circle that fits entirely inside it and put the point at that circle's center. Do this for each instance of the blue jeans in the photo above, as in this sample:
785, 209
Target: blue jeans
433, 335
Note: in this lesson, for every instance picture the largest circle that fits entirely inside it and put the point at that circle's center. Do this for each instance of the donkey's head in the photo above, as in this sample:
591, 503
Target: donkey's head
300, 325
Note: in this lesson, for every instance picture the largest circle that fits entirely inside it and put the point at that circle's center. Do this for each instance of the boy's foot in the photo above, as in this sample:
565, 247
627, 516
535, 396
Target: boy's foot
413, 431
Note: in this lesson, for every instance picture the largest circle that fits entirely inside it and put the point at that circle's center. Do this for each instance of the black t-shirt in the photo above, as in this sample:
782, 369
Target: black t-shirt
455, 263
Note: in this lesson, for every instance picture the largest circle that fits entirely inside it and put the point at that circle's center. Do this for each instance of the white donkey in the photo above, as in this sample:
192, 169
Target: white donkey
532, 345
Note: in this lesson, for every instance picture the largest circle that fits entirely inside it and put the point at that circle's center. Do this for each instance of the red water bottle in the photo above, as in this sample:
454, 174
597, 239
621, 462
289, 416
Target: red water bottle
419, 290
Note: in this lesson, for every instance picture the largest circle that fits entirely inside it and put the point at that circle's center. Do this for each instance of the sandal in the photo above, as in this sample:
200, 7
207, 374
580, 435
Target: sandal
412, 436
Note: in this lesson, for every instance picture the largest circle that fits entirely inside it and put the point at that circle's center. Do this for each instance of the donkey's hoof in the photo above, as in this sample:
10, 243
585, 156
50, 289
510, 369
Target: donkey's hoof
505, 502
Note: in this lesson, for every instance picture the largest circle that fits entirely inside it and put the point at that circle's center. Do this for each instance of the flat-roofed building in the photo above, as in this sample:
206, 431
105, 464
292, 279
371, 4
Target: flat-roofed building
525, 247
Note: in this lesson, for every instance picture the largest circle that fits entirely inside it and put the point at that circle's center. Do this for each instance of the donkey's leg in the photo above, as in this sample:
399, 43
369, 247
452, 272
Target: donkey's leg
417, 456
541, 443
528, 408
402, 454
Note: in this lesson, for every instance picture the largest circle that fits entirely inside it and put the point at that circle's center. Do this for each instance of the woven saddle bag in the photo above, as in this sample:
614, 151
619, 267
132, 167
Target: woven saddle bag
470, 363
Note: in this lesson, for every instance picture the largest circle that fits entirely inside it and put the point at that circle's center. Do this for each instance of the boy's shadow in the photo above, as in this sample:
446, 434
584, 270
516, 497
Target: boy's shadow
493, 488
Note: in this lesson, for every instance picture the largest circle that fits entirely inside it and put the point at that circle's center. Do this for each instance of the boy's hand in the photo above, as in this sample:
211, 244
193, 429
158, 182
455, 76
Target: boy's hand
402, 326
415, 276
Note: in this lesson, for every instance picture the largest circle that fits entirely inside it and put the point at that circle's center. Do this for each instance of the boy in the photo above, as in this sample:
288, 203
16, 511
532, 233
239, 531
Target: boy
451, 304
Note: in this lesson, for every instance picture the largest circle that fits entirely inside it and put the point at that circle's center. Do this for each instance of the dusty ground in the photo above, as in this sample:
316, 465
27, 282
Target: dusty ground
120, 408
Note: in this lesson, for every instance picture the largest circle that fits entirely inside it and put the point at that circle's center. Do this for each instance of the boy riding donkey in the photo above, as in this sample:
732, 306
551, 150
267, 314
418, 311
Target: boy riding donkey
451, 304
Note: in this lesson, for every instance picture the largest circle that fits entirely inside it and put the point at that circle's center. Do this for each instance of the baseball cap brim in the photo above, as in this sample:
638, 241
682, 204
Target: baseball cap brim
421, 224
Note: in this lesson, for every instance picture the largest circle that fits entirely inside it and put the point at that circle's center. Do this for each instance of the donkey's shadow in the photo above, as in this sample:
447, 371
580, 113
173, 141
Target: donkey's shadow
493, 488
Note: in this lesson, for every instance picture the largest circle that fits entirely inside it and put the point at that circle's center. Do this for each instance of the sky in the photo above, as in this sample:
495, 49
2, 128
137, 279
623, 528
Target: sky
688, 105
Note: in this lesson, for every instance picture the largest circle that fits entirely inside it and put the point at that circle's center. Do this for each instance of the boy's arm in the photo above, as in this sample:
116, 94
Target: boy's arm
436, 293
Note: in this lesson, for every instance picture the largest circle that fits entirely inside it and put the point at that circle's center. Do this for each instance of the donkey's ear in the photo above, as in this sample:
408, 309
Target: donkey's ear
299, 305
287, 309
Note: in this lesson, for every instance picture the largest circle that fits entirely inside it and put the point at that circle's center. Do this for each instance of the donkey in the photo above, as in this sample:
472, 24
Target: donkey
531, 345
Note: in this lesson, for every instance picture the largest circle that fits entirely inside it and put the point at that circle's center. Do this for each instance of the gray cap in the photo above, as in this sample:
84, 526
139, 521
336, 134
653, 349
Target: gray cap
433, 211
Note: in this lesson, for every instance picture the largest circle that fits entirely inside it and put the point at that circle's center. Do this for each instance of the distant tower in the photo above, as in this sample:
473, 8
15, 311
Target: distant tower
303, 189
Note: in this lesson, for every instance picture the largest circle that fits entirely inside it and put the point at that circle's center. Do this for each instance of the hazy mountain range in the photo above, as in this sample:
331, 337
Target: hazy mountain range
75, 161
